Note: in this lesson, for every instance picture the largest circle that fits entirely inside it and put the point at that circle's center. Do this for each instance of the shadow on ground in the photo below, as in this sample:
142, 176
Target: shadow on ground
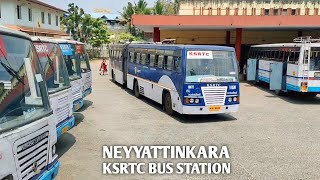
183, 118
86, 105
288, 97
65, 142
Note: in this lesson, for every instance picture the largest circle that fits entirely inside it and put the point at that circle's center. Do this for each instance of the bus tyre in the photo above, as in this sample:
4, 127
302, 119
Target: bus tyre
168, 104
279, 92
136, 90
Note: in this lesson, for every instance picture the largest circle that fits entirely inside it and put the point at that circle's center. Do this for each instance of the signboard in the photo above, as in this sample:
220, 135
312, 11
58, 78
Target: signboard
66, 49
42, 49
102, 10
199, 55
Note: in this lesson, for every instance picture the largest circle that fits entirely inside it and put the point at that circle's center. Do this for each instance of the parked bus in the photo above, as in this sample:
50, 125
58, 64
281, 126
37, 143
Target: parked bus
187, 79
58, 83
86, 73
27, 128
71, 57
287, 67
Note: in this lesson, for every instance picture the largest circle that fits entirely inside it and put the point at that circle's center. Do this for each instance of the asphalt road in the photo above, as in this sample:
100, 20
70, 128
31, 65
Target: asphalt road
270, 137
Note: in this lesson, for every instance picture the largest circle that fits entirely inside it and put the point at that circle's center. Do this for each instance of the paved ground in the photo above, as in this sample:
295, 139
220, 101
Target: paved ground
269, 138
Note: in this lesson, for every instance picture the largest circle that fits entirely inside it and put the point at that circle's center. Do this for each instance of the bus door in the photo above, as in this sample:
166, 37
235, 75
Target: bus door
252, 69
276, 75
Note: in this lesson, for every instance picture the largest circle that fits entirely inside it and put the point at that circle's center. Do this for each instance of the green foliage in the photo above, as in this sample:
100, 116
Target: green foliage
128, 37
84, 28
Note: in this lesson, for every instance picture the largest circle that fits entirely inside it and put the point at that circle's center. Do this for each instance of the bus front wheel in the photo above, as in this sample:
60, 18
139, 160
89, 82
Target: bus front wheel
136, 90
168, 104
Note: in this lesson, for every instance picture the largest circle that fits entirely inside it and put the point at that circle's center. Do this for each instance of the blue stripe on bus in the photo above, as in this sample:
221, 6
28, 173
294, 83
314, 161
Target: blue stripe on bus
297, 88
296, 77
264, 79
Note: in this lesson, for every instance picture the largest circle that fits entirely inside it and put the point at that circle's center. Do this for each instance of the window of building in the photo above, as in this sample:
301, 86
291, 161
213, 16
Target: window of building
253, 13
293, 12
57, 20
276, 12
49, 18
19, 12
244, 11
307, 11
236, 11
266, 12
228, 11
284, 12
316, 11
42, 18
30, 14
219, 12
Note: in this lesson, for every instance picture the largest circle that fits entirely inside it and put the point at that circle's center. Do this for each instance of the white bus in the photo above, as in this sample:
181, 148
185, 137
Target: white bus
58, 83
288, 67
27, 128
71, 57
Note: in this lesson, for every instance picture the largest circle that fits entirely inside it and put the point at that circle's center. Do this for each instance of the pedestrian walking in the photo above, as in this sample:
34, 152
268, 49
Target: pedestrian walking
103, 67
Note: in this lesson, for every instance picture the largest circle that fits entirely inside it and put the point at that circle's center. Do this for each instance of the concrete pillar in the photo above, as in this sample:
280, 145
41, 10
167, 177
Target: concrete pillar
238, 43
228, 34
156, 34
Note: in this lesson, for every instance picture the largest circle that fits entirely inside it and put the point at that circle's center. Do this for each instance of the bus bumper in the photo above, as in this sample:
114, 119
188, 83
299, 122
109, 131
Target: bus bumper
65, 126
87, 92
77, 105
51, 173
198, 110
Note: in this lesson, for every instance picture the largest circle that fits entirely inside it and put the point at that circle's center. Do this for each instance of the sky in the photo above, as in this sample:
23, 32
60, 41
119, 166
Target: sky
88, 5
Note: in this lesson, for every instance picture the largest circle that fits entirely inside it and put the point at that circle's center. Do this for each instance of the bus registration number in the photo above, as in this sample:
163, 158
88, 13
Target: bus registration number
214, 108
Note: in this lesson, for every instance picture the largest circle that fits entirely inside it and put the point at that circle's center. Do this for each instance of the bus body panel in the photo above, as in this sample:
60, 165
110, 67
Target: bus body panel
87, 83
62, 106
24, 143
77, 92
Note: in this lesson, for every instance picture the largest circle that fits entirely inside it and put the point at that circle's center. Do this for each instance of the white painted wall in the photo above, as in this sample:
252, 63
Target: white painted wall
9, 14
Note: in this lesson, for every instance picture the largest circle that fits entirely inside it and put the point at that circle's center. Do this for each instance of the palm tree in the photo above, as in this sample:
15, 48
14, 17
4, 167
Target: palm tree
159, 8
141, 7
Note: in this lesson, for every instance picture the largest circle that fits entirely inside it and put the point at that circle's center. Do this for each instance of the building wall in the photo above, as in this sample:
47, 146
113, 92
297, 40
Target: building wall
218, 37
249, 7
9, 15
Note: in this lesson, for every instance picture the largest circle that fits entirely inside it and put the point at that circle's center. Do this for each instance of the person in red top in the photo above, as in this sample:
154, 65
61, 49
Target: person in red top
103, 67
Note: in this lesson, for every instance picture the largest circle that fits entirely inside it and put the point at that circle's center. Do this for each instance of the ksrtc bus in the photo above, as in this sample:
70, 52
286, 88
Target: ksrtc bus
58, 83
287, 67
188, 79
86, 73
71, 57
27, 127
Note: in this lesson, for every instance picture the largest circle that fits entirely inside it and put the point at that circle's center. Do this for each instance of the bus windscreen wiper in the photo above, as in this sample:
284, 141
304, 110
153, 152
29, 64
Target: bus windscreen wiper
11, 71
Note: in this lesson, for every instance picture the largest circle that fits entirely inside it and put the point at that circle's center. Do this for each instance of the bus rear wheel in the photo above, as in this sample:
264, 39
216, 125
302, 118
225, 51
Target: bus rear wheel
168, 104
136, 90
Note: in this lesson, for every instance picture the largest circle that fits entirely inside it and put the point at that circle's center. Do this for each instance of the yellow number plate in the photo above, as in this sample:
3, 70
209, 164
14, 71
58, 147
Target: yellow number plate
65, 129
77, 106
214, 108
304, 88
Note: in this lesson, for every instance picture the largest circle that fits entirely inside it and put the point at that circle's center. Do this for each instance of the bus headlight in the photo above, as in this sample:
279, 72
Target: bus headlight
53, 150
197, 101
230, 99
235, 99
191, 101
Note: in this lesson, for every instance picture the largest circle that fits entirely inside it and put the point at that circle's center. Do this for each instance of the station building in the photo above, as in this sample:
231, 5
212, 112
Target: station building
33, 17
237, 23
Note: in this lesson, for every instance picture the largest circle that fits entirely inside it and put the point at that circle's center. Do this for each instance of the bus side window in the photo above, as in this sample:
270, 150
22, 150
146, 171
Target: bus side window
156, 60
168, 63
143, 59
135, 57
176, 63
138, 59
148, 59
160, 61
131, 56
152, 59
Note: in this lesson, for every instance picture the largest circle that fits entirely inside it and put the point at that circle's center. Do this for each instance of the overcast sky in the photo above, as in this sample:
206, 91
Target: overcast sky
89, 5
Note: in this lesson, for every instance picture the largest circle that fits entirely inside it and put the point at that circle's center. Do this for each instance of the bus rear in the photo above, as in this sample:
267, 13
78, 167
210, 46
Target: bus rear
211, 80
27, 129
58, 83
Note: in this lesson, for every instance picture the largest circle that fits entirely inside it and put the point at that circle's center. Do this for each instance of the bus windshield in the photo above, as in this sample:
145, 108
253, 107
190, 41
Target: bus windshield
53, 65
84, 58
23, 95
71, 59
211, 66
315, 59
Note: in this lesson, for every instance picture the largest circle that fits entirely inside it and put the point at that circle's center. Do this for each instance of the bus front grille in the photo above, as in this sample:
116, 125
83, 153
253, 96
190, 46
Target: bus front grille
214, 95
63, 112
76, 94
32, 154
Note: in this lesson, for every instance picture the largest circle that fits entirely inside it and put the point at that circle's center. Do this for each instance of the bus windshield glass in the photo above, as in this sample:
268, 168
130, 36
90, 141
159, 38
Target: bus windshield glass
84, 58
211, 66
315, 59
53, 65
23, 96
71, 59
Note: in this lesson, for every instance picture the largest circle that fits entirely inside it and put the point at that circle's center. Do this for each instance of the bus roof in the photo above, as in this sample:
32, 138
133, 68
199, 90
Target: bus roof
279, 45
179, 46
68, 41
8, 31
43, 39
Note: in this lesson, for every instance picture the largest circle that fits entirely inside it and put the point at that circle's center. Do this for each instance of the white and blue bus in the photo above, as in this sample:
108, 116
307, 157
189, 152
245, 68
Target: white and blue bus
71, 57
288, 67
188, 79
27, 126
58, 83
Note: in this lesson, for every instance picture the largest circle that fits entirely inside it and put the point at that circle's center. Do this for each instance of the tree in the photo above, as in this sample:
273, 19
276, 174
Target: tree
86, 27
142, 7
99, 34
158, 8
127, 37
72, 20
